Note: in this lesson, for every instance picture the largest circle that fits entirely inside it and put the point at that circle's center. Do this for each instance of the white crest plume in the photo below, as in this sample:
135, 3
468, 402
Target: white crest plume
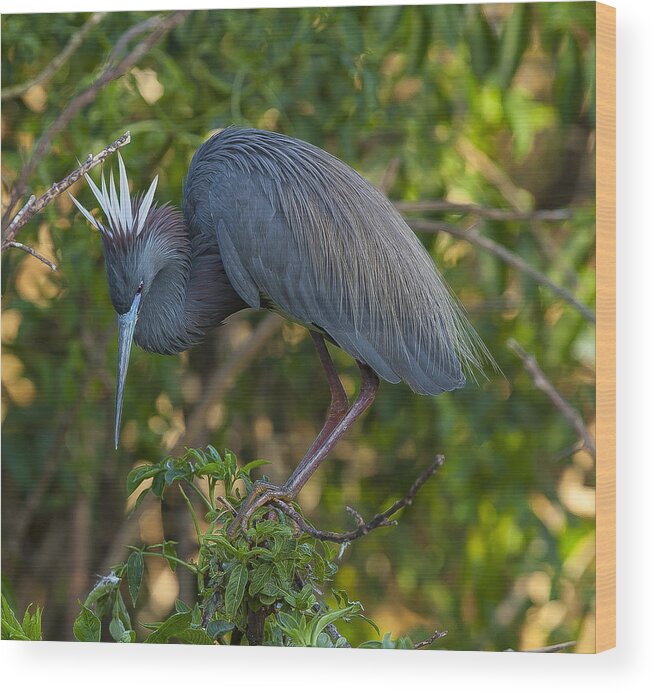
117, 207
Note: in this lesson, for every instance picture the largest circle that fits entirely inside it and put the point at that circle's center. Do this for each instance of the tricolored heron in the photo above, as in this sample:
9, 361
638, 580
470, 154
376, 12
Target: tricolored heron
273, 222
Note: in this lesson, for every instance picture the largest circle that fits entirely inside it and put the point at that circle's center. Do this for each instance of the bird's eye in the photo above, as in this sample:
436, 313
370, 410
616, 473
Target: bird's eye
140, 289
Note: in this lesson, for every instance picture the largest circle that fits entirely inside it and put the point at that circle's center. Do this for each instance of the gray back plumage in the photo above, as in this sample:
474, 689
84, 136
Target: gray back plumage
300, 229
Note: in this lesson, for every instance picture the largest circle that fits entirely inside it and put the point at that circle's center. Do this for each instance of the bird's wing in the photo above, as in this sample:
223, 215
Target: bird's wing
329, 250
265, 259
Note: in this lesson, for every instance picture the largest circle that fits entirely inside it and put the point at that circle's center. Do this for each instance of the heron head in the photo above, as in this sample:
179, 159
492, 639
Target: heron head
136, 239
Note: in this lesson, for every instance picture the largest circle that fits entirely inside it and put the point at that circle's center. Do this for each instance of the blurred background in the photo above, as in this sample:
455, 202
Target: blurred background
478, 121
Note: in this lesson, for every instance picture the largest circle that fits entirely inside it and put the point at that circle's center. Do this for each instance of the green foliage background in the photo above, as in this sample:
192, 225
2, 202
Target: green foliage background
488, 105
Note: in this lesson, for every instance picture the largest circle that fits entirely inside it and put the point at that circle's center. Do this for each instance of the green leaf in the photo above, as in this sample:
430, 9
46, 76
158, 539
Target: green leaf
134, 574
213, 453
195, 636
168, 549
231, 462
568, 87
139, 474
139, 500
247, 468
320, 623
288, 622
513, 42
480, 40
175, 473
11, 628
181, 607
171, 627
260, 577
236, 587
208, 469
158, 485
216, 629
87, 626
30, 629
103, 588
32, 623
221, 541
120, 611
116, 629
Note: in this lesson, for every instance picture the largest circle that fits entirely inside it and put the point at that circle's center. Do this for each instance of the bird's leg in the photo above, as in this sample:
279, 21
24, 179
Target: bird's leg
339, 402
310, 463
262, 493
336, 411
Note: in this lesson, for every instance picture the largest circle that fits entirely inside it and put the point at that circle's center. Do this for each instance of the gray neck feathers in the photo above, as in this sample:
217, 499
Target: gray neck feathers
187, 292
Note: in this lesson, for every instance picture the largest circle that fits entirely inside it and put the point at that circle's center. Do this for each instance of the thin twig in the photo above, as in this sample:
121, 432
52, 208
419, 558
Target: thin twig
86, 96
17, 221
34, 206
363, 528
56, 63
549, 648
28, 249
131, 33
542, 383
507, 256
486, 212
390, 174
437, 635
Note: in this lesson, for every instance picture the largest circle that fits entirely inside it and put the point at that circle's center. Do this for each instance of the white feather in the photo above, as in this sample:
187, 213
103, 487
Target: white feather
87, 215
117, 204
144, 208
125, 203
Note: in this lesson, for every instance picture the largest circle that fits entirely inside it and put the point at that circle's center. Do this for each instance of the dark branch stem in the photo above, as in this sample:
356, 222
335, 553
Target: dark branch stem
437, 635
486, 212
507, 256
34, 253
130, 34
542, 383
34, 206
549, 648
363, 528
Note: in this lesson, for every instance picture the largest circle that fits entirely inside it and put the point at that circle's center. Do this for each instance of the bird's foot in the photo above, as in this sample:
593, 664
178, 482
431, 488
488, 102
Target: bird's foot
262, 492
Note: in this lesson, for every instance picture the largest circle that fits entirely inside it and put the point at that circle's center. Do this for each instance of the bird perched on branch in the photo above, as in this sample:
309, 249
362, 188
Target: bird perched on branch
276, 223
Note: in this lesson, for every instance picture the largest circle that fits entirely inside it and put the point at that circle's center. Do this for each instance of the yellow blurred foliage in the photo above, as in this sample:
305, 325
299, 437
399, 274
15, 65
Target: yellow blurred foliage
150, 88
36, 98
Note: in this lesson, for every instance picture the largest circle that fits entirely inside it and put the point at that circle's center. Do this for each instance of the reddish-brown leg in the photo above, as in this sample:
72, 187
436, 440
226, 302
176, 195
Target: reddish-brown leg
339, 402
333, 430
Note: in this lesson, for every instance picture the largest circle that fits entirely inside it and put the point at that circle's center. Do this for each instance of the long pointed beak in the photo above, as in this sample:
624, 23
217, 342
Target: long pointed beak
126, 325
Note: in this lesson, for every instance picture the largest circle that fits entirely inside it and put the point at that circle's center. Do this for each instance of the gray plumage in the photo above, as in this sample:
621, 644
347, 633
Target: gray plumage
271, 221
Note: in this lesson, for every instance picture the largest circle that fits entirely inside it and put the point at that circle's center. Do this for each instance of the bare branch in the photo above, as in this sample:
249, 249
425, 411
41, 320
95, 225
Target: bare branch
131, 33
58, 62
34, 253
363, 528
390, 174
486, 212
507, 256
437, 635
18, 219
542, 383
549, 648
86, 96
34, 206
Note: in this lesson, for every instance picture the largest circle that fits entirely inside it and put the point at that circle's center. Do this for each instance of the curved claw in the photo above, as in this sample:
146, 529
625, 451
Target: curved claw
262, 492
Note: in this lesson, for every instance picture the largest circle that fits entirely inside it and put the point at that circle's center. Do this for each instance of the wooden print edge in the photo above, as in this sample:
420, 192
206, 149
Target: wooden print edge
606, 327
